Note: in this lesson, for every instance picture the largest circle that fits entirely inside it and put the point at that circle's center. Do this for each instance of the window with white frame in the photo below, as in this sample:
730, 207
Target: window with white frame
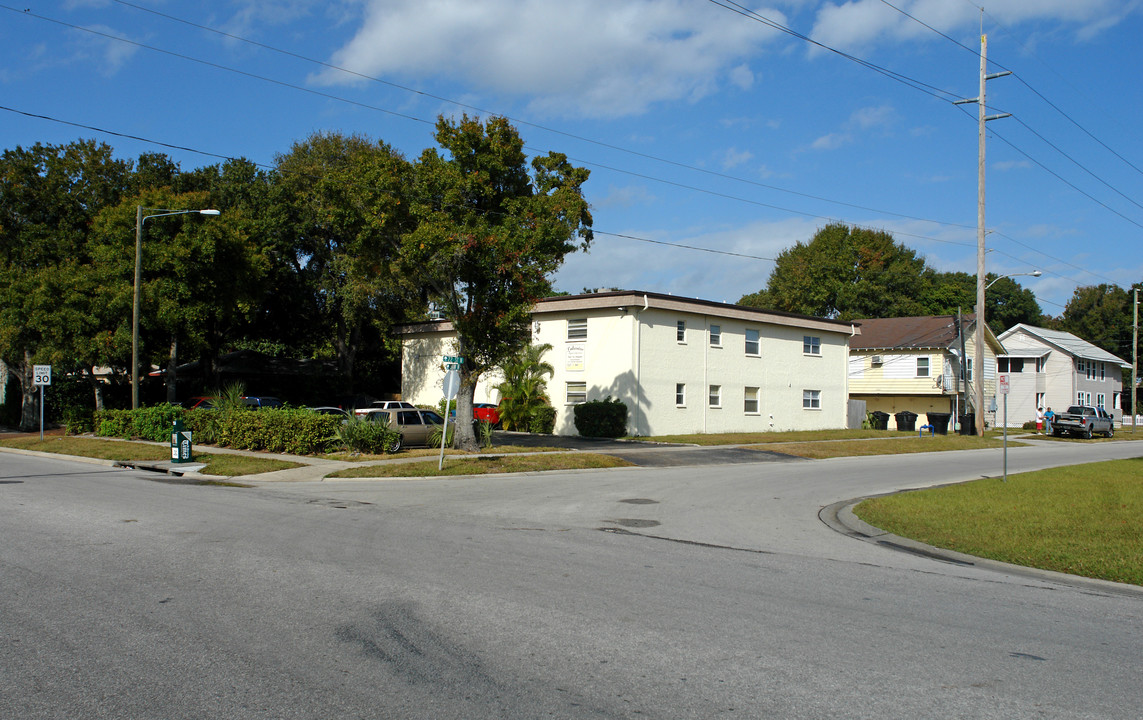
753, 345
812, 399
750, 401
1115, 401
577, 329
1100, 400
1102, 372
1040, 400
1040, 363
576, 392
680, 394
811, 345
922, 367
681, 331
715, 396
968, 370
716, 336
1083, 398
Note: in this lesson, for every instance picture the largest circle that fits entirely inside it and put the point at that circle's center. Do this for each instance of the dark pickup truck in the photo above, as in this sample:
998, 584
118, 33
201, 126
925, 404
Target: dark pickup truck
1083, 420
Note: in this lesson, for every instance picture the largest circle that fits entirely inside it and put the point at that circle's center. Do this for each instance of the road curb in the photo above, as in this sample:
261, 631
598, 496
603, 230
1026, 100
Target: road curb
840, 517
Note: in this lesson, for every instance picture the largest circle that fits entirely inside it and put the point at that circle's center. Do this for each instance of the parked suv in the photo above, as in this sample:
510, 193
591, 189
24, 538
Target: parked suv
415, 425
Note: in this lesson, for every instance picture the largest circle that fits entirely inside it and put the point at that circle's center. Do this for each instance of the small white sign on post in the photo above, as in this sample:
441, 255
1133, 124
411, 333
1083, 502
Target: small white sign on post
451, 388
42, 375
1004, 384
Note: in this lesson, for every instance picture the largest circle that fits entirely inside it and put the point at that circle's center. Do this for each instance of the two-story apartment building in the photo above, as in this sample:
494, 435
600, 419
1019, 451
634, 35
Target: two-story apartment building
914, 364
1052, 368
681, 365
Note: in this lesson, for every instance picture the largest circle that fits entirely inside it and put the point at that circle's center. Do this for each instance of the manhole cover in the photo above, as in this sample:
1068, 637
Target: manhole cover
635, 523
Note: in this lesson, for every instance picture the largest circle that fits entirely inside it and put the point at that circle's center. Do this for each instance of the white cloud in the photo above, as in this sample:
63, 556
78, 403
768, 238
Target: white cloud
108, 55
625, 197
735, 157
831, 141
859, 23
591, 57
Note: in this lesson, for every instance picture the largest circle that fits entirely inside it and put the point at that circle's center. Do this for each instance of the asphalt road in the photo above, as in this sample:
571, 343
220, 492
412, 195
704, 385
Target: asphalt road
645, 592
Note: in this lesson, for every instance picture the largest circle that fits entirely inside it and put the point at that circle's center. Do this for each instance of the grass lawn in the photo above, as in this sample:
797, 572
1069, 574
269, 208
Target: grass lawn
1082, 520
434, 452
480, 465
123, 451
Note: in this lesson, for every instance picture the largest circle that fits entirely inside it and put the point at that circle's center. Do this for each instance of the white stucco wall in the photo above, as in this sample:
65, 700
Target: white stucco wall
632, 354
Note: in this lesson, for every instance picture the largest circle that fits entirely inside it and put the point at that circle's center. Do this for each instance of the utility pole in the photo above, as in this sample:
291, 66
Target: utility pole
978, 384
1134, 357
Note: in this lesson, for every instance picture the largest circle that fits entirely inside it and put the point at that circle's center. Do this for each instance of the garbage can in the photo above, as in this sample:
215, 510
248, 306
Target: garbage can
906, 421
940, 422
967, 423
181, 450
879, 420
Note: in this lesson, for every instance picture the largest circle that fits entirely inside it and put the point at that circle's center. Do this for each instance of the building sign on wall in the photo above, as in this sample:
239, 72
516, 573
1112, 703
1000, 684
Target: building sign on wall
575, 357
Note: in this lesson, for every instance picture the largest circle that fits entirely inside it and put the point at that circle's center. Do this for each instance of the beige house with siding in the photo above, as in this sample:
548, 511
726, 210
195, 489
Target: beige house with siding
680, 365
914, 364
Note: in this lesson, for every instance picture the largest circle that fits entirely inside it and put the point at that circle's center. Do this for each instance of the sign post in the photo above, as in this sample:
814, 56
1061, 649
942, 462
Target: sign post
1004, 386
41, 376
451, 387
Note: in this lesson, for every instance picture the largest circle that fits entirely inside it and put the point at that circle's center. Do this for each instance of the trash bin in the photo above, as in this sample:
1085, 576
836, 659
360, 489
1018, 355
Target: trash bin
967, 423
906, 421
879, 420
181, 450
940, 422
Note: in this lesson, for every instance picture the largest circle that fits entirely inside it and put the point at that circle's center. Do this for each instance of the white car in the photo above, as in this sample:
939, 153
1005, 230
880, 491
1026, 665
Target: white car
384, 405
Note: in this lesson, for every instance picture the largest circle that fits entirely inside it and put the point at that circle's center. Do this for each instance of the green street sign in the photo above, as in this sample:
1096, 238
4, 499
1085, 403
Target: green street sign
454, 360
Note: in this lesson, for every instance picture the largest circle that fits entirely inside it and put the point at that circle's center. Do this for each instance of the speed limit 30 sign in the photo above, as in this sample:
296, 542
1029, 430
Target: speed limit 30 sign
42, 375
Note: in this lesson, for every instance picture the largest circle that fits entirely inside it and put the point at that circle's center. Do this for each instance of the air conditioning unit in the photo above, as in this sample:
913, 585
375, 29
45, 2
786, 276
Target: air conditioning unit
877, 360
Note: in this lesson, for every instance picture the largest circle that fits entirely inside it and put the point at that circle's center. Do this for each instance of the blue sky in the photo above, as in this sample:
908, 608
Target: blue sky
703, 126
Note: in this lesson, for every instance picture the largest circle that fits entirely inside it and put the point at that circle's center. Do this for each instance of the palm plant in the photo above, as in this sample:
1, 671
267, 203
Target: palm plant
524, 388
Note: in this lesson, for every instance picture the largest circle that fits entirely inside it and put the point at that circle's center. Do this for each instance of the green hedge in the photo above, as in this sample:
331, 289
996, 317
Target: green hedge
601, 418
543, 420
282, 430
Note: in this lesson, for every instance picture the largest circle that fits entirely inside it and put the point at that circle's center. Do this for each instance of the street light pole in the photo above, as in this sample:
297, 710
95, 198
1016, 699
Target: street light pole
140, 218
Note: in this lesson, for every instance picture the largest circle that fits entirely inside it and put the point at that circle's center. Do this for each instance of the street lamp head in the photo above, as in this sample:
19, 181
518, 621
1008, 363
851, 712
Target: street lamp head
1036, 273
209, 212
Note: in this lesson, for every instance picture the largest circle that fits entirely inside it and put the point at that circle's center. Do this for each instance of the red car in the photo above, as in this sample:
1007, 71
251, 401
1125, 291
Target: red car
486, 412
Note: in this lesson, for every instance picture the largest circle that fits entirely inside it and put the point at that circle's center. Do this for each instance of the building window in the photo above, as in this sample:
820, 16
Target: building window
812, 399
922, 367
1039, 400
716, 336
750, 401
680, 395
1040, 363
681, 331
968, 370
715, 396
1115, 400
1010, 365
1102, 373
753, 346
576, 393
1100, 400
577, 329
811, 345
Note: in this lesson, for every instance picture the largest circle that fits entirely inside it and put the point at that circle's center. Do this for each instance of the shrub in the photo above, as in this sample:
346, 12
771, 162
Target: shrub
543, 420
601, 418
369, 437
78, 421
113, 423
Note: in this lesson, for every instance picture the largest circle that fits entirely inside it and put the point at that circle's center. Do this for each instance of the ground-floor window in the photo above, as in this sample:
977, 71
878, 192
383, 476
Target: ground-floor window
716, 396
680, 394
812, 399
576, 393
750, 401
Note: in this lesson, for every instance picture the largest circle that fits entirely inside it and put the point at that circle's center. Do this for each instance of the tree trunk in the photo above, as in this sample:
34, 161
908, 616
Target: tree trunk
464, 437
96, 389
30, 406
172, 371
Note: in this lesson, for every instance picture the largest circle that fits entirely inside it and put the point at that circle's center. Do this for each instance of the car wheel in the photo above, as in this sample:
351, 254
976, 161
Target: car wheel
1057, 433
1087, 433
1111, 432
398, 444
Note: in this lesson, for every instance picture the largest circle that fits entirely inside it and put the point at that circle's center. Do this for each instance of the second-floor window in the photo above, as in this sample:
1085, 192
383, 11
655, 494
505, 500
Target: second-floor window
577, 329
716, 336
811, 345
922, 367
753, 346
681, 331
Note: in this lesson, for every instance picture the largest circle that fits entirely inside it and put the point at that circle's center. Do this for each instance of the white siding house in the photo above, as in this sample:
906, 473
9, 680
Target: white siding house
680, 365
1052, 368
